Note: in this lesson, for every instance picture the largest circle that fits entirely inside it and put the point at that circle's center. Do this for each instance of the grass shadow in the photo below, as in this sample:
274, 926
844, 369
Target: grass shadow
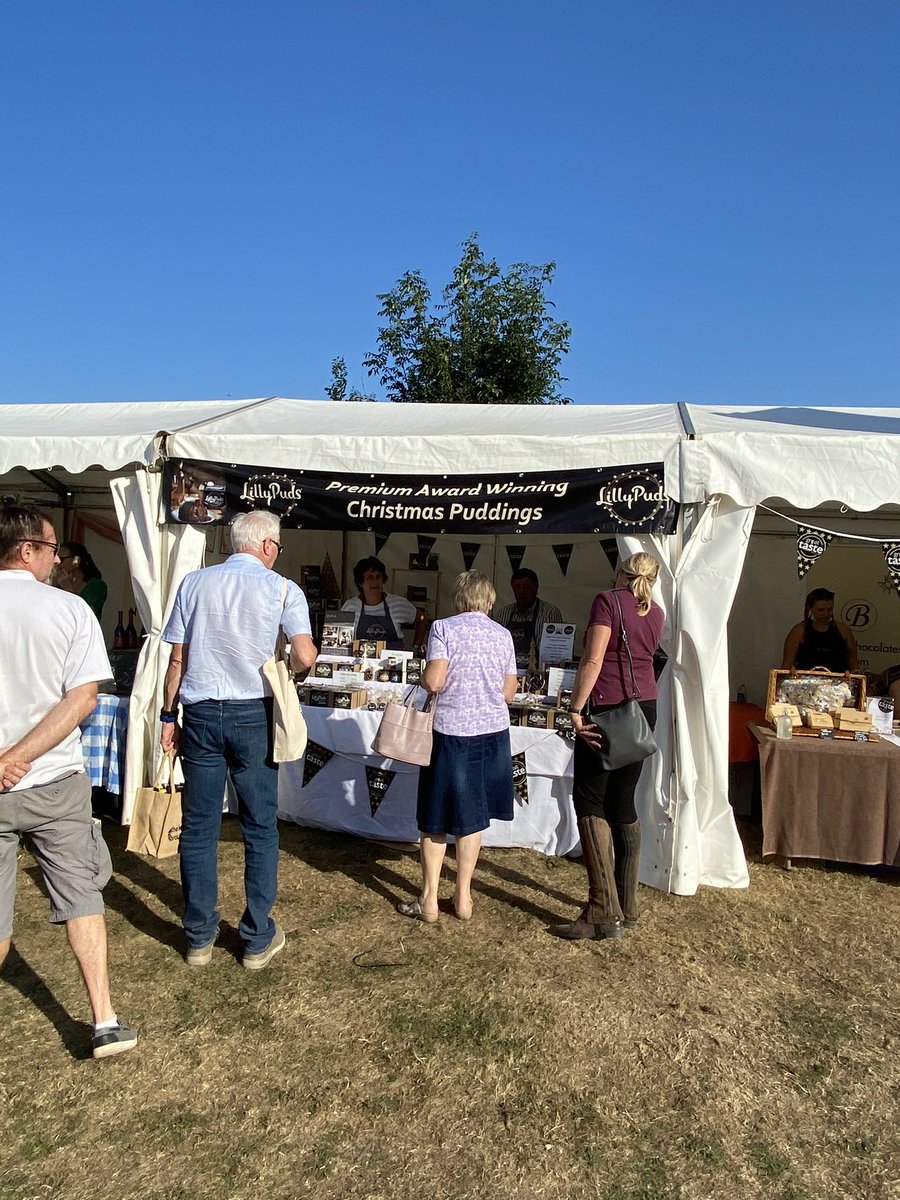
74, 1035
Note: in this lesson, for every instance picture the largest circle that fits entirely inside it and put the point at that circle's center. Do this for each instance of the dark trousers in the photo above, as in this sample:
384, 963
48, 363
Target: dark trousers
607, 794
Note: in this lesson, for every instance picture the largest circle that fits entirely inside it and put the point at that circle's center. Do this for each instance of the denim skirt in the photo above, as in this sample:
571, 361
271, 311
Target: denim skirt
468, 784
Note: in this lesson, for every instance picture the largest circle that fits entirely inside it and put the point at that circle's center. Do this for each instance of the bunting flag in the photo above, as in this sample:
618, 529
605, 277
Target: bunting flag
520, 778
811, 545
892, 560
469, 552
379, 780
380, 539
425, 544
611, 550
516, 554
315, 759
563, 552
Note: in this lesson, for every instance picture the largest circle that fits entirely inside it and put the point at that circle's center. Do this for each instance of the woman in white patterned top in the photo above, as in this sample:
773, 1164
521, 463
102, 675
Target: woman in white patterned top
472, 665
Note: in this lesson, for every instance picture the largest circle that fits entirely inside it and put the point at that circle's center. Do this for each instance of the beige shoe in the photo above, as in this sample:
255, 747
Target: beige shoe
255, 962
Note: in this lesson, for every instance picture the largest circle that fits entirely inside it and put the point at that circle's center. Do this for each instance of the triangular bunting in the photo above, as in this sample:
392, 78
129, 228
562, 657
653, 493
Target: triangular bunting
611, 550
314, 760
892, 560
811, 545
380, 539
469, 552
379, 780
516, 554
563, 553
425, 544
520, 778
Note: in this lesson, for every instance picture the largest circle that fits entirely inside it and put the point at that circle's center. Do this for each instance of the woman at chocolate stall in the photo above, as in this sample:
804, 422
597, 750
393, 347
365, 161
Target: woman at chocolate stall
379, 614
604, 800
472, 668
77, 572
819, 640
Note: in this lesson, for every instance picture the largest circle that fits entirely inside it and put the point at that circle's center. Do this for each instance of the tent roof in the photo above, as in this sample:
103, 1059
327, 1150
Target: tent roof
78, 436
806, 456
433, 438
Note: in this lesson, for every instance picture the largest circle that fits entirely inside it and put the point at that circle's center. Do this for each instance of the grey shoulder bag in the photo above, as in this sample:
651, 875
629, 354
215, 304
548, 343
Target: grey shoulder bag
627, 736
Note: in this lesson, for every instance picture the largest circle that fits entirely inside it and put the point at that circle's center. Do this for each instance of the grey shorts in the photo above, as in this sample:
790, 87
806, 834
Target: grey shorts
55, 821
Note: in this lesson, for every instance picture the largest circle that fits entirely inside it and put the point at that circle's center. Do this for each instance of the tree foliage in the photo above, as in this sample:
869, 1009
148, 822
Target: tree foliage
491, 340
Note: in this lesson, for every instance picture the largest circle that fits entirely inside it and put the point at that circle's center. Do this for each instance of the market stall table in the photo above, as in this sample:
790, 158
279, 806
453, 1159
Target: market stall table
836, 800
341, 781
103, 742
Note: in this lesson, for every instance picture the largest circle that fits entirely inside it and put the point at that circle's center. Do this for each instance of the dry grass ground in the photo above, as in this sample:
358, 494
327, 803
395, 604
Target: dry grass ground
738, 1044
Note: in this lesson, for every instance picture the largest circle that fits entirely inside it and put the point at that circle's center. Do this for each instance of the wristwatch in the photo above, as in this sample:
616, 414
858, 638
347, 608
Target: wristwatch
168, 715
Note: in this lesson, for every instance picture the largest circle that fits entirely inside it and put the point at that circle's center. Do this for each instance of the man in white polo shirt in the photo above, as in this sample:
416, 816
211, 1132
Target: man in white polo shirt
223, 627
51, 659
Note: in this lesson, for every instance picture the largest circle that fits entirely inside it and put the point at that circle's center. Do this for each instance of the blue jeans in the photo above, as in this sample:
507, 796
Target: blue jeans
220, 736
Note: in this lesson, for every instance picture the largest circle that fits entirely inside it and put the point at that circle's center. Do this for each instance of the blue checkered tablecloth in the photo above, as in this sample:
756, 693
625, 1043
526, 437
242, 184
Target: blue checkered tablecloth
103, 742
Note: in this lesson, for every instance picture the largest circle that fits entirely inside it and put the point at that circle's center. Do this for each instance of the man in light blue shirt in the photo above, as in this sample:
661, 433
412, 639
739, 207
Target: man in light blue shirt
223, 627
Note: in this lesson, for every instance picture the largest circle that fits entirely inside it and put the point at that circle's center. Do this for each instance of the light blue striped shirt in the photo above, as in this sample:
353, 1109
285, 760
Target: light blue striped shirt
228, 615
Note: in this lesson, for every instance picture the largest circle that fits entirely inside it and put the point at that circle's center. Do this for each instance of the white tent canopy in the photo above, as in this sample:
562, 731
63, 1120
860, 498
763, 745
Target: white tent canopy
720, 462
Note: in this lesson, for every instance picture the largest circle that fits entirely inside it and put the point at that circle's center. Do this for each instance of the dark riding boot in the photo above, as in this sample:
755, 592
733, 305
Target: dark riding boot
627, 847
602, 916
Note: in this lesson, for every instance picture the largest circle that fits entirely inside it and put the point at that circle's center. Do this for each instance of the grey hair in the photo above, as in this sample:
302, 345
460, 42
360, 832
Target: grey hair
473, 592
250, 530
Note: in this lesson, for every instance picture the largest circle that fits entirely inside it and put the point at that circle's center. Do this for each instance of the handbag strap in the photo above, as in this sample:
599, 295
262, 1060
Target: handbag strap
281, 639
167, 759
624, 636
408, 699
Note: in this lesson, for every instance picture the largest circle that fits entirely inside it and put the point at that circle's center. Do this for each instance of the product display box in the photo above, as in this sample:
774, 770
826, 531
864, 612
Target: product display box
319, 697
323, 670
363, 648
538, 718
337, 632
349, 698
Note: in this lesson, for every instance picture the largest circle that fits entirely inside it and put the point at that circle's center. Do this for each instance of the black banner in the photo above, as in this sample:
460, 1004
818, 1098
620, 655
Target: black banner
469, 552
520, 778
601, 500
563, 552
892, 562
379, 780
314, 760
811, 544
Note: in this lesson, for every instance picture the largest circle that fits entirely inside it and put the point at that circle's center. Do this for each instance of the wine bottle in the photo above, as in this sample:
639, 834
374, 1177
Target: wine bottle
119, 638
131, 637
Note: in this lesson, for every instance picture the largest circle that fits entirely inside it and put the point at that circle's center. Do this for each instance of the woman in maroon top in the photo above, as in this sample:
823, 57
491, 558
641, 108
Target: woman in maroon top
604, 800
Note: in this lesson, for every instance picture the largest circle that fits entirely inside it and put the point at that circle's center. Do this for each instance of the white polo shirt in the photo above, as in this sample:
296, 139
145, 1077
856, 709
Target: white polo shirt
228, 615
50, 643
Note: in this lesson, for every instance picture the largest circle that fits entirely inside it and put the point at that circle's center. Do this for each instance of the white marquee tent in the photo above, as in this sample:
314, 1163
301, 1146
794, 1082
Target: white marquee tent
719, 463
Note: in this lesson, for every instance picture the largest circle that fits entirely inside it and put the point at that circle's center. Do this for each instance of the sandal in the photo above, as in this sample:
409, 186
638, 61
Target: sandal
412, 908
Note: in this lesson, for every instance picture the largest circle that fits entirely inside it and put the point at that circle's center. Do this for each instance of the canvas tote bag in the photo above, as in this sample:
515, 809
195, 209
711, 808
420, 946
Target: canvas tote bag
156, 818
627, 736
405, 732
289, 727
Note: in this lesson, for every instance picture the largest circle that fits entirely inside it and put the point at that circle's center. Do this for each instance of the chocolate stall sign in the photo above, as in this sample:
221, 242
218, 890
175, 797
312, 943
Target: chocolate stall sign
596, 500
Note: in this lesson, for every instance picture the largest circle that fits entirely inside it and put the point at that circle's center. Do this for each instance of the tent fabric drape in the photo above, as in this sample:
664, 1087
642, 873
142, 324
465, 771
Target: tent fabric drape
159, 557
691, 835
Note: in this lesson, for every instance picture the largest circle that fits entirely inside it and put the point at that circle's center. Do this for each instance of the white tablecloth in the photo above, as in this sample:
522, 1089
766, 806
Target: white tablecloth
337, 797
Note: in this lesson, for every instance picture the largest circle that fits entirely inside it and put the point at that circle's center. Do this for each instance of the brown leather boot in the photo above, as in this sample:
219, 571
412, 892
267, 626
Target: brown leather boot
602, 916
627, 847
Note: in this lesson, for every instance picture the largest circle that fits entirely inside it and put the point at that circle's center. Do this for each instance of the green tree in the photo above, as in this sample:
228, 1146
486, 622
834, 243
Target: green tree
492, 339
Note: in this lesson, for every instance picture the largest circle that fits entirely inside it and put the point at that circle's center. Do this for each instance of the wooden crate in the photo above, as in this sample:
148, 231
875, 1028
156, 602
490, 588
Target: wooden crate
804, 683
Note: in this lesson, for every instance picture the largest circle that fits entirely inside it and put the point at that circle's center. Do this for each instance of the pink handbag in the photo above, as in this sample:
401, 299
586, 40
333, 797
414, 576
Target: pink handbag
405, 732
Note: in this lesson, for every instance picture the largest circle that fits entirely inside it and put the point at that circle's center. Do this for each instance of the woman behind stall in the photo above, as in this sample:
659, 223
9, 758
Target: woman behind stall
472, 668
77, 572
604, 800
819, 640
379, 614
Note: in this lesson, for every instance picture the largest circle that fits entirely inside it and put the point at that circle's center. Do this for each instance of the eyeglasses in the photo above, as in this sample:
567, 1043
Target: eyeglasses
278, 544
54, 546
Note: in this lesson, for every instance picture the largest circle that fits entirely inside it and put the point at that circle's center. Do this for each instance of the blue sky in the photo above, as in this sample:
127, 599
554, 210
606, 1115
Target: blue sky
203, 199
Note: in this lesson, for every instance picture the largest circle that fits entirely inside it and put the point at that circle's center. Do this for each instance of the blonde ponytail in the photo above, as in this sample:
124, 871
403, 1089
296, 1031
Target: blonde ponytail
639, 574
